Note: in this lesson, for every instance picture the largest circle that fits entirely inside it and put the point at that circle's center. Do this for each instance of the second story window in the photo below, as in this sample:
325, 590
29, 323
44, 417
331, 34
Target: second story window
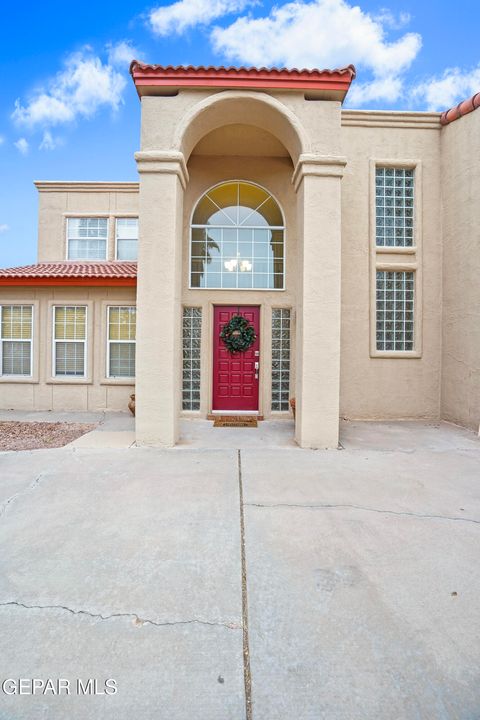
394, 207
87, 238
127, 238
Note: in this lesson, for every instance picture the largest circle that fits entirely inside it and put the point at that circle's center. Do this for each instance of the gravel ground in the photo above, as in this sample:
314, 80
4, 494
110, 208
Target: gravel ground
36, 435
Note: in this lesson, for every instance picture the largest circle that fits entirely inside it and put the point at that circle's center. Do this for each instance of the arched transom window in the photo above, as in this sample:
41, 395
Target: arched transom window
237, 239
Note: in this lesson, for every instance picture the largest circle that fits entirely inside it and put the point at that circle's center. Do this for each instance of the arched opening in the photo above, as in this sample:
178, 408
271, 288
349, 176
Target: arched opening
246, 108
237, 239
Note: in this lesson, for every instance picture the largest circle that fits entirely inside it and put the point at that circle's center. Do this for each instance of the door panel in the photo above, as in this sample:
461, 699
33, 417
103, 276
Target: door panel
235, 386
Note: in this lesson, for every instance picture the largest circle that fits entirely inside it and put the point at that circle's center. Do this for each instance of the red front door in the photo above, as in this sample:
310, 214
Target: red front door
235, 379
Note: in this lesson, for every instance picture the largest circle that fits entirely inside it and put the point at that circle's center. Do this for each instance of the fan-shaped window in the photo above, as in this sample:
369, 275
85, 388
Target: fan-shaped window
237, 239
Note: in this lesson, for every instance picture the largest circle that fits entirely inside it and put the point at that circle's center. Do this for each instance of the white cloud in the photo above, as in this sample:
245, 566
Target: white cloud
4, 228
22, 146
178, 17
122, 53
48, 141
323, 33
396, 22
85, 85
440, 93
2, 139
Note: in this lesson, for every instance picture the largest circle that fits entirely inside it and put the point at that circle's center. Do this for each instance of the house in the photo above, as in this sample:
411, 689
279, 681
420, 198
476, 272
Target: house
348, 241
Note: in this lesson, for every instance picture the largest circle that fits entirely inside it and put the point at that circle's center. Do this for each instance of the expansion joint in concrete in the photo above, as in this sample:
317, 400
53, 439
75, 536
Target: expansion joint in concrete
137, 619
246, 647
319, 506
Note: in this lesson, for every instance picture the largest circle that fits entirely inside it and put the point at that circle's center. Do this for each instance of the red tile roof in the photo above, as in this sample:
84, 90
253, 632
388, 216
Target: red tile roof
155, 76
465, 107
71, 273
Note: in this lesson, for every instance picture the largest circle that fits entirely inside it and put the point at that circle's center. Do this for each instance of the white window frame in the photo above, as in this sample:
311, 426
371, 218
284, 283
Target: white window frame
81, 216
130, 342
69, 378
31, 341
124, 217
246, 227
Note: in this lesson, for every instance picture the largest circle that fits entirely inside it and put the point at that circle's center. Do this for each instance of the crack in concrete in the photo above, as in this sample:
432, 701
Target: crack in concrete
12, 498
139, 621
364, 508
246, 645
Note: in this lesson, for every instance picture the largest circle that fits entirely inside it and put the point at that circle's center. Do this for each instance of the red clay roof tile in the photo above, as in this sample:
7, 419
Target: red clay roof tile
145, 75
71, 272
463, 108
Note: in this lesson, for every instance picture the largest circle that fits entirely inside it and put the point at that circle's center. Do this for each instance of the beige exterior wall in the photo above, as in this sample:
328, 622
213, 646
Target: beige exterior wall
45, 392
174, 143
461, 271
375, 385
60, 200
319, 163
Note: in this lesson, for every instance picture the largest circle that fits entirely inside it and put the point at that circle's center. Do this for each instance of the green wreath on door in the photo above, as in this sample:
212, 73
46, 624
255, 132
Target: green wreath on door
238, 334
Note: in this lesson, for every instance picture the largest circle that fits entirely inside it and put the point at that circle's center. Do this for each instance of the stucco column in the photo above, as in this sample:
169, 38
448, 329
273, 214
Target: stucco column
163, 177
317, 181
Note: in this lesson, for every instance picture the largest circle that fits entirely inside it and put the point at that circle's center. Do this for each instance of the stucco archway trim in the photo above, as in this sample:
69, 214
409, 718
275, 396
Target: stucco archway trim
249, 108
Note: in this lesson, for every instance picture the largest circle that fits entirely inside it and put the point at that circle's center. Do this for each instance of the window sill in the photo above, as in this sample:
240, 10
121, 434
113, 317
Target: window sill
392, 250
413, 354
118, 381
69, 381
25, 380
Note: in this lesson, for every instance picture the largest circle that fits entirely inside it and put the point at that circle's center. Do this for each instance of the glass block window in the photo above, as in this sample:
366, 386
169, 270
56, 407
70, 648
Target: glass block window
394, 207
69, 340
237, 239
192, 333
127, 238
280, 358
394, 310
122, 322
16, 324
87, 238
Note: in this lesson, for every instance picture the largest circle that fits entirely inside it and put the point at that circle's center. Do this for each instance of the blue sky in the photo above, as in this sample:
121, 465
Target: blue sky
69, 110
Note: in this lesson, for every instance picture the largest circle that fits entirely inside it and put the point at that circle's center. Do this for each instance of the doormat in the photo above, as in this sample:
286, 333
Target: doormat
235, 421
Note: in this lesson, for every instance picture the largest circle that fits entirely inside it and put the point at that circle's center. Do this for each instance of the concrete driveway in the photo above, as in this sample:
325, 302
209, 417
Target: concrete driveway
362, 589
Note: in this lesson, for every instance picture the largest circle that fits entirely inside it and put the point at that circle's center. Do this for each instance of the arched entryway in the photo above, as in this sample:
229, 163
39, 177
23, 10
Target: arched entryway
265, 144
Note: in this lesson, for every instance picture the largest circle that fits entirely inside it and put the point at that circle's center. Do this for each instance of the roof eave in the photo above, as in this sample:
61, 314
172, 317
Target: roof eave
13, 281
160, 80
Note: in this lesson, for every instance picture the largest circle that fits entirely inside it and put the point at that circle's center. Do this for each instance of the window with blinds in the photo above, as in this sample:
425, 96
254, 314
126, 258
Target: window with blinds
121, 341
16, 325
70, 340
127, 238
87, 238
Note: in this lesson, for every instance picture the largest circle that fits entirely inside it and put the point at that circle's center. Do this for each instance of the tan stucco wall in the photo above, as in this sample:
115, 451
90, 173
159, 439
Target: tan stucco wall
381, 387
310, 132
58, 201
461, 271
180, 159
96, 392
